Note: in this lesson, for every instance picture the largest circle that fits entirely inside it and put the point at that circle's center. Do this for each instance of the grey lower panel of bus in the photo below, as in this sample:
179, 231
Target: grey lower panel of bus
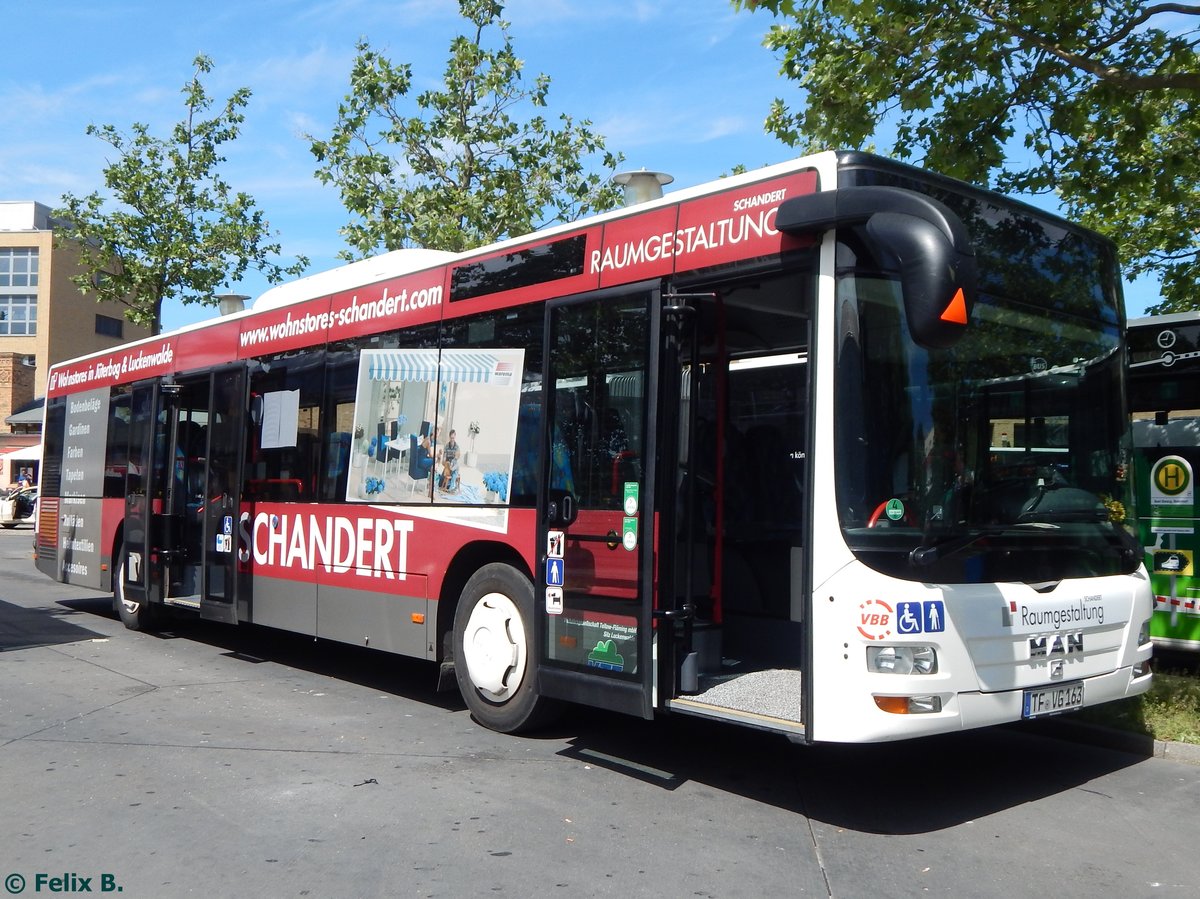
768, 700
363, 617
287, 605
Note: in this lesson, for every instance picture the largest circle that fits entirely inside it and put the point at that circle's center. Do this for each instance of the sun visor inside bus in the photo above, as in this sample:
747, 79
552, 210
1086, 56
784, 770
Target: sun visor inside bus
913, 235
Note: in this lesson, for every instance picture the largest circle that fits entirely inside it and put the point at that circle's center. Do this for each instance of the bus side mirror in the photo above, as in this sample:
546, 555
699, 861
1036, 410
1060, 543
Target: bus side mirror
915, 236
937, 281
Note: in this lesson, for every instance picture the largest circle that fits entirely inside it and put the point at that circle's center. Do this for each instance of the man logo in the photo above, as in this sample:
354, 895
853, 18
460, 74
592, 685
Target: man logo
1055, 645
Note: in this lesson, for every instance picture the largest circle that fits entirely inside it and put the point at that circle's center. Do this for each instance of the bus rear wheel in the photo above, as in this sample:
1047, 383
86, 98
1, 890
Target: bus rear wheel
493, 650
135, 615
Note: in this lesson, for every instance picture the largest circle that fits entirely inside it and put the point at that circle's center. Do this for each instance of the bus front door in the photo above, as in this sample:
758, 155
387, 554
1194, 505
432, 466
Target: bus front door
595, 564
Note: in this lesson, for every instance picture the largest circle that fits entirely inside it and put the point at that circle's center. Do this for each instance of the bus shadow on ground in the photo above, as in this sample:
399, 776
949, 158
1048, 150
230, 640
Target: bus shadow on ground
906, 787
22, 628
400, 676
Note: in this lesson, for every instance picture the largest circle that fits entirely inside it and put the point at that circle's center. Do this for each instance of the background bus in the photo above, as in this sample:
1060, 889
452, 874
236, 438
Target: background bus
1164, 397
729, 453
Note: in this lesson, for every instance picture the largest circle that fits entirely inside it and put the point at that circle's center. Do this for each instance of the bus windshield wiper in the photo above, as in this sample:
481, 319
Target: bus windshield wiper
928, 553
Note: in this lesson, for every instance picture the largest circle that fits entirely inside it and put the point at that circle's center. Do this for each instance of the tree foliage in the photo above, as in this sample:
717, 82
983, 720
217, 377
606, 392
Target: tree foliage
1095, 103
454, 168
178, 231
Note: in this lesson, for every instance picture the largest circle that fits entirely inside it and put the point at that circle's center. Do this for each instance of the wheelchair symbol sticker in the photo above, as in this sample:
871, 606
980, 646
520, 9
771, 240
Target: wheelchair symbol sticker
927, 617
908, 618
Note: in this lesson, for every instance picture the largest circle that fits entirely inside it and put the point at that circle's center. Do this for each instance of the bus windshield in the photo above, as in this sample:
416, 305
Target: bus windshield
1000, 459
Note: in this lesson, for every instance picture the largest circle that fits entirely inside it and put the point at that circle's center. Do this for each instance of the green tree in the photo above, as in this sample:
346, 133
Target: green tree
1094, 103
178, 230
455, 168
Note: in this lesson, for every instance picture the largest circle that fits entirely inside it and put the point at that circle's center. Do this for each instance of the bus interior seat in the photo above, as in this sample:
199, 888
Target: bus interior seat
190, 447
338, 457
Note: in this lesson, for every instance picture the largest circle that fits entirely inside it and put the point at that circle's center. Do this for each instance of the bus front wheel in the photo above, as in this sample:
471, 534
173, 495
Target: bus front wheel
135, 615
493, 650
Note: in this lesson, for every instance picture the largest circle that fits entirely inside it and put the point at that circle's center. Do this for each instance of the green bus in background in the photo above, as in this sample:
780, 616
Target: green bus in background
1164, 398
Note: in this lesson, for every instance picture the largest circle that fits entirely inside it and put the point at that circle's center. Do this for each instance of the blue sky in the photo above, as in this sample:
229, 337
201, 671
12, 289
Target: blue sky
680, 86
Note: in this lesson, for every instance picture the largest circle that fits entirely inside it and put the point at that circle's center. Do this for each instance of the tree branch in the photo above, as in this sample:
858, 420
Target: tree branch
1188, 81
1145, 16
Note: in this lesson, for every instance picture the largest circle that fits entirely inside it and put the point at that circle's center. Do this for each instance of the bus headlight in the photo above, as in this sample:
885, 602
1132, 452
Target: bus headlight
1144, 633
902, 659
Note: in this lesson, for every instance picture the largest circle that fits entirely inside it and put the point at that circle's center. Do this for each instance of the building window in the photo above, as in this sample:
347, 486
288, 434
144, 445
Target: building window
18, 307
18, 267
109, 326
18, 314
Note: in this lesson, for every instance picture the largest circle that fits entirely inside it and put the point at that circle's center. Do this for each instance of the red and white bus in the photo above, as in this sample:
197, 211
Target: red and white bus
736, 452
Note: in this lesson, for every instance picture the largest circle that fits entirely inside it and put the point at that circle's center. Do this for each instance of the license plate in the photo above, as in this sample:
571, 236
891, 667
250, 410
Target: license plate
1053, 700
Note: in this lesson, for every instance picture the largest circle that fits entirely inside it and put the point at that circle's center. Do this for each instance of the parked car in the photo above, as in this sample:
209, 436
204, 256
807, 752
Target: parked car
17, 506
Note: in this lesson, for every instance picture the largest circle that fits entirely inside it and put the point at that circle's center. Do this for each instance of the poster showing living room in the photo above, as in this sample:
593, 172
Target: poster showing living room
435, 426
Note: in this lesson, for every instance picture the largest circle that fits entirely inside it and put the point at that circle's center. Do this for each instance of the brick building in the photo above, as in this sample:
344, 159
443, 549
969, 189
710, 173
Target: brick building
43, 319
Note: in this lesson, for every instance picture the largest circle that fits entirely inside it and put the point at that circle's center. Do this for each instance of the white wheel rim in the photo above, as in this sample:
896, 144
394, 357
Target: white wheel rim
494, 647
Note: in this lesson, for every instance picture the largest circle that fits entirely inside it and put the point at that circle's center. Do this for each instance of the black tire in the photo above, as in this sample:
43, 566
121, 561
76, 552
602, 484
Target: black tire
493, 651
137, 616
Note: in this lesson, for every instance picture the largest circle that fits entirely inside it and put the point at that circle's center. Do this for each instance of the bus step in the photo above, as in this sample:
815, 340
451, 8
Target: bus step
689, 705
768, 695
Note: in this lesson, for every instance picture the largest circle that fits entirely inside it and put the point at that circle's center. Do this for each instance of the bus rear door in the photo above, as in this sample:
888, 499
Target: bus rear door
139, 573
182, 501
221, 499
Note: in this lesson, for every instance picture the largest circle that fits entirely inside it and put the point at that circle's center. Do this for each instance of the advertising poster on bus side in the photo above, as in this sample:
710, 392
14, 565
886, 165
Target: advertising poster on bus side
435, 427
84, 442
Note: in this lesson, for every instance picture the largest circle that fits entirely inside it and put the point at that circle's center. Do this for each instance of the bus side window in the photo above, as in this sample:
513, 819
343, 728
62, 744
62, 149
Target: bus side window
116, 456
517, 328
341, 379
285, 467
525, 464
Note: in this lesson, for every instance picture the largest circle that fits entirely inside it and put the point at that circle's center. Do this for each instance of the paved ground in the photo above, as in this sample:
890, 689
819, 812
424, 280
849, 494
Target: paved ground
217, 761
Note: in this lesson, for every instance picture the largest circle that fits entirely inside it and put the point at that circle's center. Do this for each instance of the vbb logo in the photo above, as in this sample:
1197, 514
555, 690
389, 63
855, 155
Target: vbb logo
875, 619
